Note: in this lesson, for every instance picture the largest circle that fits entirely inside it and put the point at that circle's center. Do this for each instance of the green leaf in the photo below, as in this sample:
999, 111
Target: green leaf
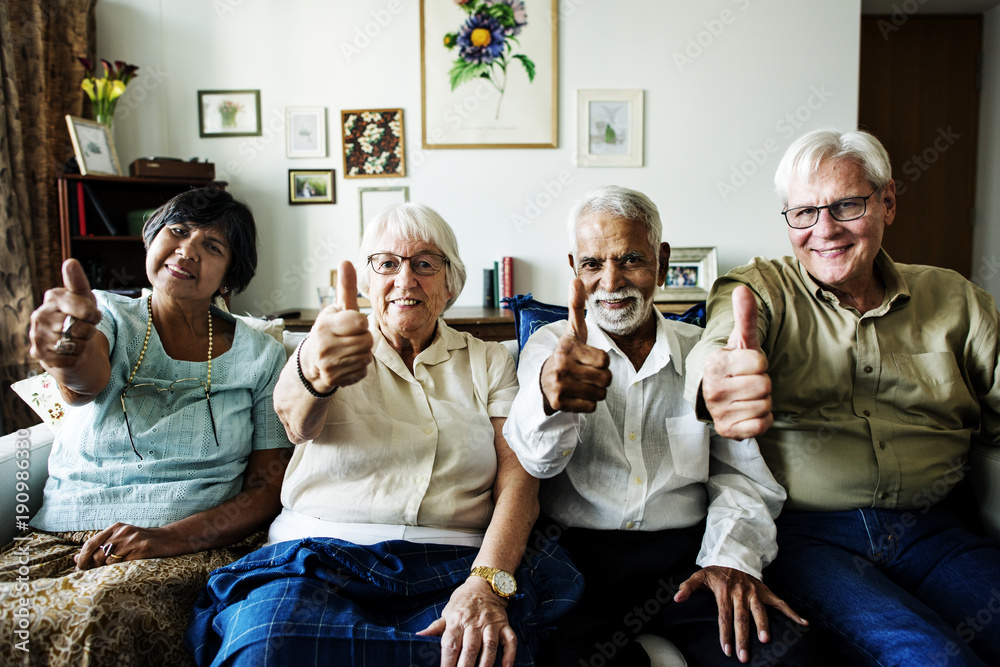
529, 66
463, 71
502, 13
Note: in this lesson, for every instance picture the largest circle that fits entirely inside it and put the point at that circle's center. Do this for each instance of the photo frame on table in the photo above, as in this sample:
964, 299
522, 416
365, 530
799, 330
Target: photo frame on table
311, 186
609, 128
499, 94
305, 132
94, 147
690, 275
372, 201
229, 113
373, 143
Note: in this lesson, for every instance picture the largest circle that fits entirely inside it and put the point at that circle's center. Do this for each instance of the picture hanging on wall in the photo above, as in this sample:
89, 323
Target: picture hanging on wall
94, 148
373, 143
229, 113
609, 128
305, 132
690, 275
489, 73
311, 186
372, 201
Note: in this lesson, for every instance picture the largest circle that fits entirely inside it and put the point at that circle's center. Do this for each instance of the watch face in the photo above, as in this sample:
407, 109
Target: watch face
504, 583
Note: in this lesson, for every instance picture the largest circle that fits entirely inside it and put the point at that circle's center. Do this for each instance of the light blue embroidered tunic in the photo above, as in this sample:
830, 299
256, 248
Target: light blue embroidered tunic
95, 479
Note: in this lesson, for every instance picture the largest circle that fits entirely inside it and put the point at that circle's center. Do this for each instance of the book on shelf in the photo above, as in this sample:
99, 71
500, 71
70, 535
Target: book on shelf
506, 281
100, 210
81, 209
489, 283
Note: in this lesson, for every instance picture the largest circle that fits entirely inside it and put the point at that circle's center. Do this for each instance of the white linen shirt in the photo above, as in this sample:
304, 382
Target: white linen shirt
406, 448
642, 461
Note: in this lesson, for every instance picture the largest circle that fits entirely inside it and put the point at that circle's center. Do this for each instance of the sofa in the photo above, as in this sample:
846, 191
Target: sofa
24, 454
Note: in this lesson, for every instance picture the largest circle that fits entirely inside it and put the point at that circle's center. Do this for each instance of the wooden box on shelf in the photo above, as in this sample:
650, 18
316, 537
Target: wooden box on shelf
100, 223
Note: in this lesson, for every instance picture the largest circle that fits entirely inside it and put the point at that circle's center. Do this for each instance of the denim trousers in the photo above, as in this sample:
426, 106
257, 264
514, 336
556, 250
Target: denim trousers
901, 587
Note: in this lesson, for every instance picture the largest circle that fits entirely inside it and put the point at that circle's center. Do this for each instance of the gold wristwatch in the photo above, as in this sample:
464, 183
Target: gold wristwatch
504, 584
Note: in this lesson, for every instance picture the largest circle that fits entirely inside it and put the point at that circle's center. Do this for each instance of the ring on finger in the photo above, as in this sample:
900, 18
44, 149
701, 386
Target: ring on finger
114, 557
67, 325
107, 549
64, 346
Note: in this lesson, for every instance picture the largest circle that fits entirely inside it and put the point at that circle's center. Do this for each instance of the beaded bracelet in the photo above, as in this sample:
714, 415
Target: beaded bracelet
302, 376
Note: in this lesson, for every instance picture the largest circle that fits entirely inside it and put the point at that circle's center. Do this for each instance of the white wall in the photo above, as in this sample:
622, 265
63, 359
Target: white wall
986, 241
775, 70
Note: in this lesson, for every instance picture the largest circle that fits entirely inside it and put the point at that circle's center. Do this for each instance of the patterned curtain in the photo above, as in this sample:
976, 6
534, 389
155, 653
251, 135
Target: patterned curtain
39, 85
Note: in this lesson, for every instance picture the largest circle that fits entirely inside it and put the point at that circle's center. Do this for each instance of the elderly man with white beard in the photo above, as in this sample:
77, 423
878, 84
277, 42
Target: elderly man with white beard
657, 511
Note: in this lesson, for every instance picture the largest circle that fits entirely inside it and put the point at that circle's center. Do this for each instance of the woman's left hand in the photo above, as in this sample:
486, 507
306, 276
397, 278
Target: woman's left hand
472, 627
123, 542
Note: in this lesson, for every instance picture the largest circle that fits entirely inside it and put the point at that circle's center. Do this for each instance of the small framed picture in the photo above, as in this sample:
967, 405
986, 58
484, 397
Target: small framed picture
609, 128
311, 186
305, 132
373, 143
94, 147
229, 113
372, 201
690, 275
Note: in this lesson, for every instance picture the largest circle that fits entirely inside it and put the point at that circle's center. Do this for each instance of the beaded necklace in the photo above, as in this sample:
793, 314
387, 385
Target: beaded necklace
145, 343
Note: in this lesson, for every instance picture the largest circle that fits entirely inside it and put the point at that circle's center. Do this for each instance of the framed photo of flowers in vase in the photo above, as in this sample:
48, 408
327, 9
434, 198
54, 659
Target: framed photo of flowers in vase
229, 113
373, 143
489, 73
94, 147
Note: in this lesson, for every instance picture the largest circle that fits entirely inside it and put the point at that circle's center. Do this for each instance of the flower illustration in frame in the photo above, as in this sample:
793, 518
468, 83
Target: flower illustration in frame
373, 143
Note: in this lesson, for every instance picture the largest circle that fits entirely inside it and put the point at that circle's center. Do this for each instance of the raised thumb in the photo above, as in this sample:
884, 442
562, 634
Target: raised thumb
577, 326
347, 287
74, 277
744, 335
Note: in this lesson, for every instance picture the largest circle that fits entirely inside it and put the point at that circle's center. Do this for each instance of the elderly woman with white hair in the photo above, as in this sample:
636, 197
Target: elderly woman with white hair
405, 514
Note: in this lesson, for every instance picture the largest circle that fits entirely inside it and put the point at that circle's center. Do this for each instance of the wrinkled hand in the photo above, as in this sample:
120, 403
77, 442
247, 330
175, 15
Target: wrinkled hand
129, 543
735, 593
74, 298
339, 347
576, 376
473, 627
736, 387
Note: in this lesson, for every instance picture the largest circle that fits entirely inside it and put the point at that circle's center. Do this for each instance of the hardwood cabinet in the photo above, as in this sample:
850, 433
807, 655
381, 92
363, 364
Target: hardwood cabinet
100, 224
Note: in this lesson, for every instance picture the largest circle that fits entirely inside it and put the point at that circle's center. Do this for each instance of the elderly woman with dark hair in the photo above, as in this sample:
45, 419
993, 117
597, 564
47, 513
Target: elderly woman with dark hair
171, 458
406, 515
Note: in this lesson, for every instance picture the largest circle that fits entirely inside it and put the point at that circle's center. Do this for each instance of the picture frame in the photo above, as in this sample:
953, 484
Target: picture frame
94, 147
690, 275
372, 201
494, 95
312, 186
373, 143
609, 128
229, 113
305, 132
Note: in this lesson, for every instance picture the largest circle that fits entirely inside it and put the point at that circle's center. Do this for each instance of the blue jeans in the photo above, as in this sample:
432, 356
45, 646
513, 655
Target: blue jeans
902, 587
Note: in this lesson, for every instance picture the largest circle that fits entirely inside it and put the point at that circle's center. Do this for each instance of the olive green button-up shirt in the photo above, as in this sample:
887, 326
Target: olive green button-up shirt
870, 410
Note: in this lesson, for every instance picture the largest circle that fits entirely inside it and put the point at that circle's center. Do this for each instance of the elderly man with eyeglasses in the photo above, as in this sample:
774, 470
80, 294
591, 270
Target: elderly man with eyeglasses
865, 382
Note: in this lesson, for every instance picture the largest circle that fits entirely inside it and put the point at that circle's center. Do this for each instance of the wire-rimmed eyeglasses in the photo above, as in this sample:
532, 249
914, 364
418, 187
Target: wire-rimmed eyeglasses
423, 264
150, 389
842, 210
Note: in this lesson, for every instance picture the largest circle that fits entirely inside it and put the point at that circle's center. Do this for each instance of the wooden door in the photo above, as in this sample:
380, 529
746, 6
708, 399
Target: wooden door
919, 95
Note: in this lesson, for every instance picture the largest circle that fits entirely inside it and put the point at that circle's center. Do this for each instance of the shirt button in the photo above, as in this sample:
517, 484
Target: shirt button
428, 431
631, 436
630, 525
881, 444
883, 495
566, 452
638, 480
866, 413
868, 369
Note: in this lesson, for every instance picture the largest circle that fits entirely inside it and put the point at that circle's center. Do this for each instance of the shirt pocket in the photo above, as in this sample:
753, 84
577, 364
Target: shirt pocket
931, 391
688, 441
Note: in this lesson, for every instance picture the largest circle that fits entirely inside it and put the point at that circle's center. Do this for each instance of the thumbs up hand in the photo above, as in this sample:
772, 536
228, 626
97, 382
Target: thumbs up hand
736, 387
339, 347
576, 376
65, 320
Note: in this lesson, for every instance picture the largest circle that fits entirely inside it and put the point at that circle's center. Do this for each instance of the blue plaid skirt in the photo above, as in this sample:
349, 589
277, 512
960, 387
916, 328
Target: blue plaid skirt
326, 601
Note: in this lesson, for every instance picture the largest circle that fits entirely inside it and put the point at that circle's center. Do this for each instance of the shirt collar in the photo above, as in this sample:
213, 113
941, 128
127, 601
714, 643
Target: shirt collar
897, 292
666, 348
445, 341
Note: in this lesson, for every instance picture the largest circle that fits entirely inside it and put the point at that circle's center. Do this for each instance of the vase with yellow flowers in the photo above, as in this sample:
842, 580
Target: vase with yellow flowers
104, 91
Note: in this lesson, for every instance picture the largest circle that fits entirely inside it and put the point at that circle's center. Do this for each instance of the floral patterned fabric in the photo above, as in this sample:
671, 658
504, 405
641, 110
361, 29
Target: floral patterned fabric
128, 613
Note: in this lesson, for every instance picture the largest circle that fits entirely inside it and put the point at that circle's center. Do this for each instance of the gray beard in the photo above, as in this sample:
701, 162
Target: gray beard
620, 322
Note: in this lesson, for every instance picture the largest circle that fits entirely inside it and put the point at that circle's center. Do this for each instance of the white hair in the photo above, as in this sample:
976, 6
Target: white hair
803, 157
621, 203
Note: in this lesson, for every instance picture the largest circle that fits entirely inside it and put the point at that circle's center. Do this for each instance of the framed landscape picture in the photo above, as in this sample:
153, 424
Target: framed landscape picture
609, 128
311, 186
489, 73
373, 143
691, 273
94, 147
229, 113
305, 132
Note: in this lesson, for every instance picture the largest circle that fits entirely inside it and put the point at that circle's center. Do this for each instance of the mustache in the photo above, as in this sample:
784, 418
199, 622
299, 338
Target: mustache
603, 295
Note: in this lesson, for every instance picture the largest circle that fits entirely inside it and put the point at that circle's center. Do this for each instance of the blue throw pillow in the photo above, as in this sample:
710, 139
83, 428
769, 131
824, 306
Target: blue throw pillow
531, 315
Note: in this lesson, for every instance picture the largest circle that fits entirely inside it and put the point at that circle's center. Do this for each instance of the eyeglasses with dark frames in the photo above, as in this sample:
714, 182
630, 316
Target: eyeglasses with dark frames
150, 389
842, 210
423, 264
